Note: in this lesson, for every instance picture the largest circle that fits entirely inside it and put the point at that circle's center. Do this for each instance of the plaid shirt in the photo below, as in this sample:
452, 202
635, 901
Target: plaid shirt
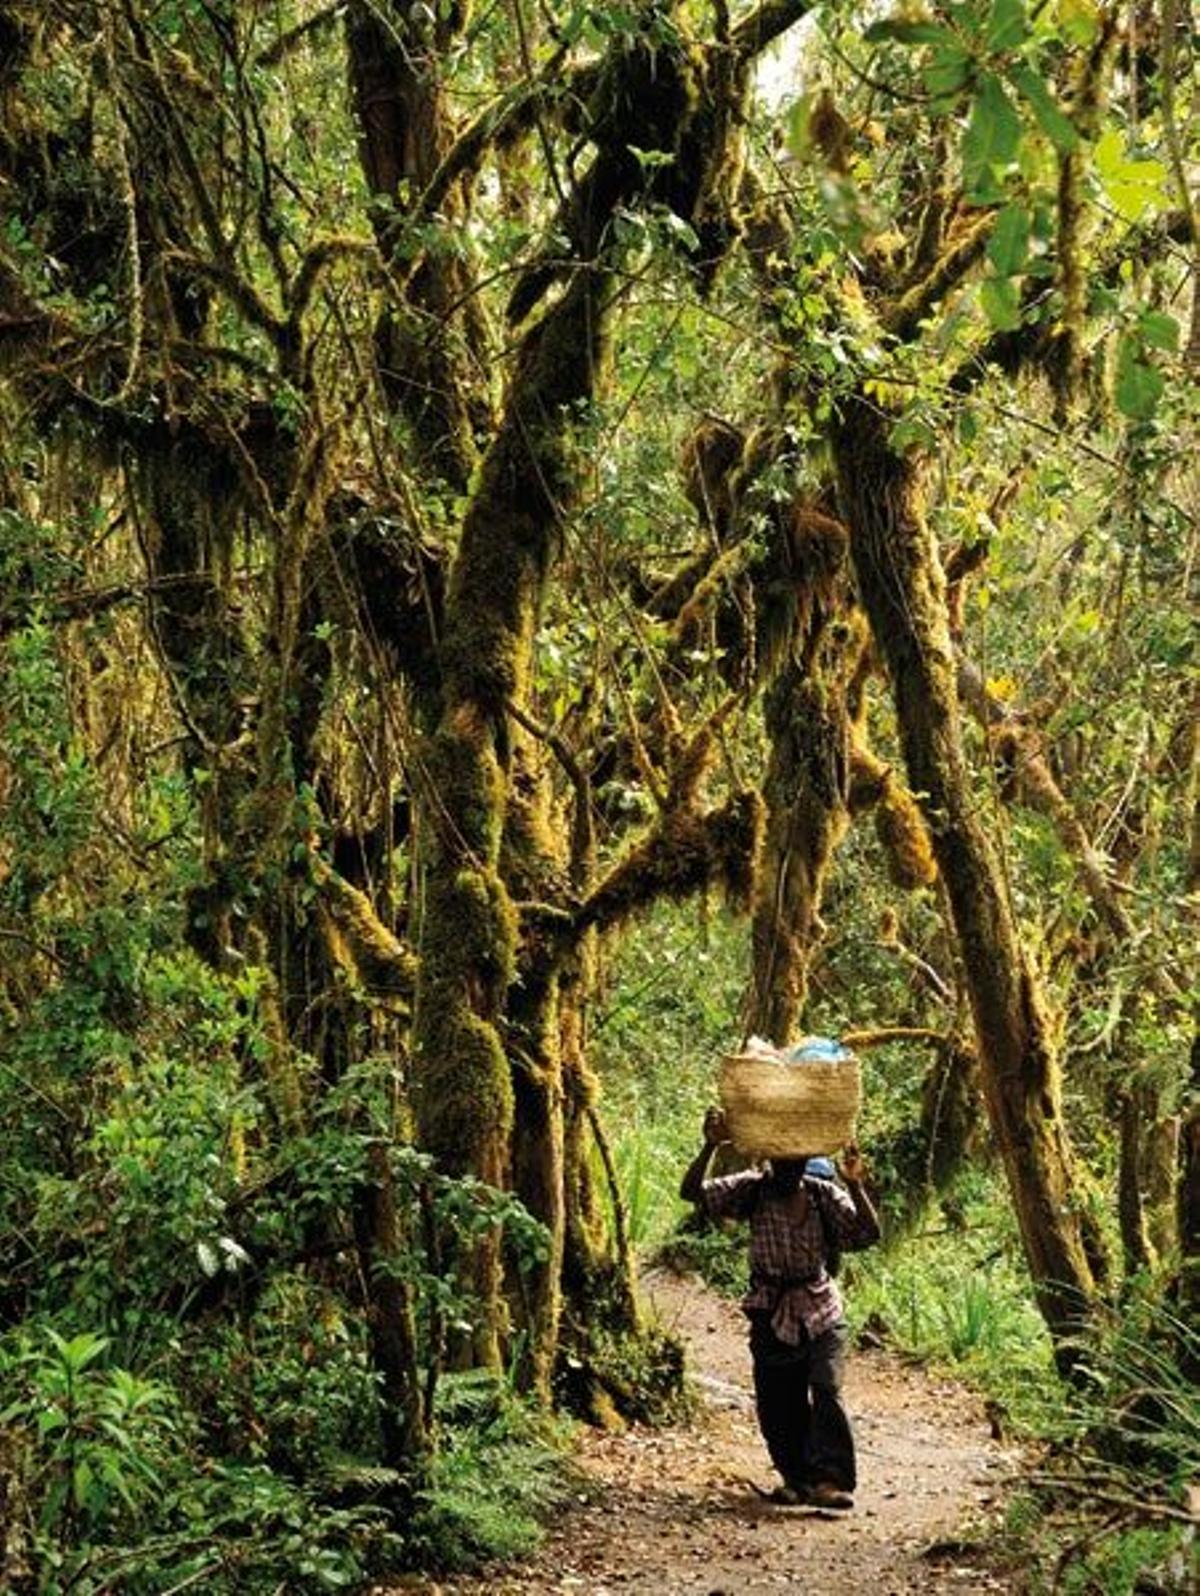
788, 1277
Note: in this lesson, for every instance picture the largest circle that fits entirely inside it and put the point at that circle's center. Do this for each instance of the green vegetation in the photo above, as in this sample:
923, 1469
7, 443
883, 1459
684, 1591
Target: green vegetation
489, 494
949, 1285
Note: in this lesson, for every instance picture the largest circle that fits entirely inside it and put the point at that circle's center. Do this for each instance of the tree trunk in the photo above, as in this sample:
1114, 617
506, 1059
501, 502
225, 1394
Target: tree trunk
1187, 1292
533, 864
805, 789
463, 1092
422, 352
383, 1246
1131, 1208
903, 590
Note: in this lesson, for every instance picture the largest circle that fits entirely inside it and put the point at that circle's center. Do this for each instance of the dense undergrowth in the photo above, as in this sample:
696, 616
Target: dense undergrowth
187, 1393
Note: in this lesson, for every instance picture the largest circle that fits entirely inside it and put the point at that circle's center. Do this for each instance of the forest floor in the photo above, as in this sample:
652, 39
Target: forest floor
674, 1511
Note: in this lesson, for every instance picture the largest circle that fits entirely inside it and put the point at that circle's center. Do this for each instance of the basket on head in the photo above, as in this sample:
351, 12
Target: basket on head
777, 1110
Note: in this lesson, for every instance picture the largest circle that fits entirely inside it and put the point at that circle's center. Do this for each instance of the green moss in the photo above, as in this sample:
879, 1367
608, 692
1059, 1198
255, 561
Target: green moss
461, 766
738, 835
471, 933
904, 837
462, 1092
611, 1376
493, 604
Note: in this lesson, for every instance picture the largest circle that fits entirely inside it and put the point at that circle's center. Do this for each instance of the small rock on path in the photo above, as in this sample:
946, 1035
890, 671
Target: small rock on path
672, 1512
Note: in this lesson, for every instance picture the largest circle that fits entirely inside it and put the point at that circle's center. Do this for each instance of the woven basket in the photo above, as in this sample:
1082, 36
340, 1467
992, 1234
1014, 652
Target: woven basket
788, 1110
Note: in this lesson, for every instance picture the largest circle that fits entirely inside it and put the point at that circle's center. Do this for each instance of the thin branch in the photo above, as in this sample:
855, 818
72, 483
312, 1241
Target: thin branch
34, 946
881, 1035
1136, 1506
762, 27
287, 42
1170, 26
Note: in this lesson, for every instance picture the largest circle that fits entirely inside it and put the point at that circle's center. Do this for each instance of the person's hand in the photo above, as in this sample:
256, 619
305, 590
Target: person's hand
715, 1128
853, 1166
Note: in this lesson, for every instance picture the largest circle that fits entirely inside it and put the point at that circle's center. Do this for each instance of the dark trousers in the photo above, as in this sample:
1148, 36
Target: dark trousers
801, 1414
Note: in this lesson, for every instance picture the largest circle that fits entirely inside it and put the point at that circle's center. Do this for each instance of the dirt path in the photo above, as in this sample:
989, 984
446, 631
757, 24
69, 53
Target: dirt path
672, 1512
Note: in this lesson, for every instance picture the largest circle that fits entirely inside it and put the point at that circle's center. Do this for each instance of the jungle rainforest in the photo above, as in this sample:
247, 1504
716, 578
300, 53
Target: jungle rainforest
539, 539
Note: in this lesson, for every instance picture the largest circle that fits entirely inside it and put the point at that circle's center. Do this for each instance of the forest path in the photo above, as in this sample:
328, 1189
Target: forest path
672, 1512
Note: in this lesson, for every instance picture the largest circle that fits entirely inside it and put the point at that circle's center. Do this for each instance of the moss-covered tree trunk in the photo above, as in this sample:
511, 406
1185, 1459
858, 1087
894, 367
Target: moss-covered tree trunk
903, 590
533, 869
468, 935
395, 56
805, 790
1188, 1287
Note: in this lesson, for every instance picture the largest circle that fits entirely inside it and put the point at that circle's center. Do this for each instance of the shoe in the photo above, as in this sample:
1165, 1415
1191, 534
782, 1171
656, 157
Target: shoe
788, 1496
827, 1494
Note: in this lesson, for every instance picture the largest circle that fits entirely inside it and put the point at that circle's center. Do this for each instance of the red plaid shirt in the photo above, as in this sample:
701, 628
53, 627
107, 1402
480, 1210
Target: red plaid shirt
788, 1277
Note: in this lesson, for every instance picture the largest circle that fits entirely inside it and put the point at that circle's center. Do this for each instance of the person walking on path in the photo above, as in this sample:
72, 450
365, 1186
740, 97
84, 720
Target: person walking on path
798, 1335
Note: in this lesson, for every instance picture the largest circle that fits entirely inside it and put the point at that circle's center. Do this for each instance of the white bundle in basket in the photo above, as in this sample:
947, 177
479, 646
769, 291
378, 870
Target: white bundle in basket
803, 1101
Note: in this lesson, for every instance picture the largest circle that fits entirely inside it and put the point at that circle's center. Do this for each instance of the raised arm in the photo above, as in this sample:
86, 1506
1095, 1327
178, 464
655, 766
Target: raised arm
864, 1229
691, 1187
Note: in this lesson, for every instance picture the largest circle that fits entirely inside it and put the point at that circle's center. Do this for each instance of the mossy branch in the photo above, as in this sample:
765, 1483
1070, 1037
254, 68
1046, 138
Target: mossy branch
903, 317
221, 274
384, 964
1020, 745
291, 39
685, 853
502, 122
883, 1034
320, 255
899, 823
583, 830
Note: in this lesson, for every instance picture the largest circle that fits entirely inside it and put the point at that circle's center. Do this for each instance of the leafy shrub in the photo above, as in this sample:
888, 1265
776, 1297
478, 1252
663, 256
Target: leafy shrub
498, 1472
102, 1436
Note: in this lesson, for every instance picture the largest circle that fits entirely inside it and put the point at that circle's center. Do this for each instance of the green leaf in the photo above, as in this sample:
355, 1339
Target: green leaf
1132, 186
1049, 115
998, 296
1158, 330
649, 159
799, 140
948, 71
1139, 386
1006, 26
908, 32
82, 1482
1078, 20
991, 139
1008, 247
81, 1350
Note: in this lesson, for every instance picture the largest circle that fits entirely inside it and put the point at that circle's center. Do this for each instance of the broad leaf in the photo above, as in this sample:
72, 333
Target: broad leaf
1079, 20
908, 32
949, 69
1158, 330
1008, 247
1007, 26
991, 140
998, 296
1051, 118
1139, 386
1133, 186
